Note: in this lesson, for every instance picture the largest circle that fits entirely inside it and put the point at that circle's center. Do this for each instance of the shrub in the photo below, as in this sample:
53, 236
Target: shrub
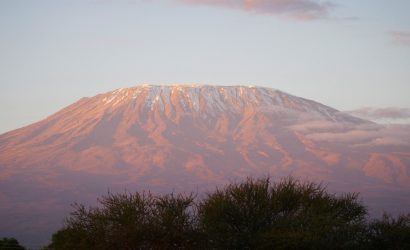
254, 214
287, 215
390, 233
10, 243
129, 221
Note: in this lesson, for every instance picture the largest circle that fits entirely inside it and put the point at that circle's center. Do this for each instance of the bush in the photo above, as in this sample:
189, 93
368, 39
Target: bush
129, 221
10, 243
390, 233
287, 215
254, 214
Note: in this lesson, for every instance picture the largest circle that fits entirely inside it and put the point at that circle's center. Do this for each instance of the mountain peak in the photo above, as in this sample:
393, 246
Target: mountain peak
186, 137
213, 99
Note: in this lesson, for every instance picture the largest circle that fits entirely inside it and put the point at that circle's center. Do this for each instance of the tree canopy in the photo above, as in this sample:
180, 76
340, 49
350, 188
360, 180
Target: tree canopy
10, 244
286, 215
254, 214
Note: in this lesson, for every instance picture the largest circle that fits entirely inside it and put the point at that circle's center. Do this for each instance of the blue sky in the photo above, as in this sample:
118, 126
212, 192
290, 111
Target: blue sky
346, 54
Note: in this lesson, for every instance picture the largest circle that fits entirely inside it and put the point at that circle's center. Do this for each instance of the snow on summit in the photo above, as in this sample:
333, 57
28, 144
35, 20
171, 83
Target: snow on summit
213, 99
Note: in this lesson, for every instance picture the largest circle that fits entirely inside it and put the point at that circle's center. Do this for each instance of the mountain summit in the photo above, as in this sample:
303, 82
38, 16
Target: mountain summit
178, 130
211, 100
193, 137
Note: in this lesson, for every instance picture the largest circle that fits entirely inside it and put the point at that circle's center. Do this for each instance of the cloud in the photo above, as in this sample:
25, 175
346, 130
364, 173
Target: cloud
394, 135
401, 38
388, 135
352, 136
391, 113
297, 9
357, 134
317, 125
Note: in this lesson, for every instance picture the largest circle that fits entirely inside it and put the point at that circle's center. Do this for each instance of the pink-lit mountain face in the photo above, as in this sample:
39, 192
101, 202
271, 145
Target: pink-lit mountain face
192, 138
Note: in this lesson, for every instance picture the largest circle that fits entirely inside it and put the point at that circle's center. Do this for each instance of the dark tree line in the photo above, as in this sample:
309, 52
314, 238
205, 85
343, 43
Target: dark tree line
10, 244
255, 214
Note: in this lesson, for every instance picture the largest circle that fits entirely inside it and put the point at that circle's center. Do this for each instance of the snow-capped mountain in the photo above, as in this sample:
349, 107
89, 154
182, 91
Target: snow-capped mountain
191, 138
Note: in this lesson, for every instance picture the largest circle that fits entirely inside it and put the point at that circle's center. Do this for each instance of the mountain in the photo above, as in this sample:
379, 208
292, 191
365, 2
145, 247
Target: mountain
192, 138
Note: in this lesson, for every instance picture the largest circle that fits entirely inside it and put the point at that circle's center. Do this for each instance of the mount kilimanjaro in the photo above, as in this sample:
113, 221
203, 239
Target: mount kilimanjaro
192, 138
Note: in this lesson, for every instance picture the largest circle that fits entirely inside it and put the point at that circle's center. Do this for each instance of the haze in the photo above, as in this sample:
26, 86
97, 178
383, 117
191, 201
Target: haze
346, 54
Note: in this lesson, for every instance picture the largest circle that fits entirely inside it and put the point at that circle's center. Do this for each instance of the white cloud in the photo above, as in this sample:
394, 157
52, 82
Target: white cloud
401, 38
383, 115
296, 9
366, 134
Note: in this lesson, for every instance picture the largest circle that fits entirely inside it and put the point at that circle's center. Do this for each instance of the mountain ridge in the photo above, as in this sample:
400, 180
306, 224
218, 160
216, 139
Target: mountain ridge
194, 137
110, 96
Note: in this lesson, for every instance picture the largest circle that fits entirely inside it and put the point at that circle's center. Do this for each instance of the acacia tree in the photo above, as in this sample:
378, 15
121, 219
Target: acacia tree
254, 214
10, 243
390, 233
288, 215
129, 221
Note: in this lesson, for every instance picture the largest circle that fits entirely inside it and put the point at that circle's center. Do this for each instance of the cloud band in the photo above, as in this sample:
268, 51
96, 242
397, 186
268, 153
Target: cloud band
297, 9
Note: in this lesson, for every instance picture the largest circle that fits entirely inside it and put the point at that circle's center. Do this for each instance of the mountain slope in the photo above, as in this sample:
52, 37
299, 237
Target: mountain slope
193, 137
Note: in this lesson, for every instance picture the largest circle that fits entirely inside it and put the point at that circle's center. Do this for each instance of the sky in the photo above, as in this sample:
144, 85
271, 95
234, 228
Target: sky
350, 55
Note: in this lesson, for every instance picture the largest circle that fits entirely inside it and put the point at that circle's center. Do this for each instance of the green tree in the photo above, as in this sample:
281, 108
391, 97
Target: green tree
10, 243
390, 233
174, 222
256, 214
129, 221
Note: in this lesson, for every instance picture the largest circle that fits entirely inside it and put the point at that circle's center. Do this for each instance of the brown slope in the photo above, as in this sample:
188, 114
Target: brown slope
192, 137
246, 130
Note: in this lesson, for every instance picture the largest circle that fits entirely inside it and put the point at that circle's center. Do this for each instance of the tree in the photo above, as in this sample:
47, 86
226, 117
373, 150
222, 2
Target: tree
254, 214
174, 223
287, 215
390, 233
10, 243
129, 221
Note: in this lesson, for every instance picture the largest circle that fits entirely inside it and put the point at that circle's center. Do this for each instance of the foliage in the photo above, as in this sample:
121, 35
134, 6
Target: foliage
254, 214
390, 233
287, 215
10, 243
129, 221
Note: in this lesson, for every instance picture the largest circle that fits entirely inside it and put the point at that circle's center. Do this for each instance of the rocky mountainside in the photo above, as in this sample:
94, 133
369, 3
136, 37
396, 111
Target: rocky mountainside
192, 137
